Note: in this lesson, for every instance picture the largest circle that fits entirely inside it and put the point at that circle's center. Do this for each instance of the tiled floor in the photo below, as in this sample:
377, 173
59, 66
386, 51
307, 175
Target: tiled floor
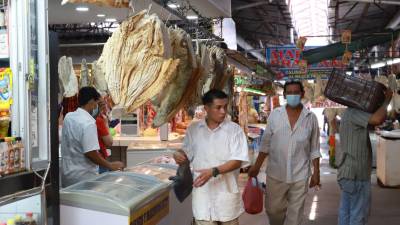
321, 206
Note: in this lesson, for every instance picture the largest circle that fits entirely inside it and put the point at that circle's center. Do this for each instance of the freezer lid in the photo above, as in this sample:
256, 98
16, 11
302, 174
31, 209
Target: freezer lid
160, 171
117, 192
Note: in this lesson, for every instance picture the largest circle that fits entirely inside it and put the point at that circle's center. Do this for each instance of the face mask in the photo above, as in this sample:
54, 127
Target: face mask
95, 112
293, 100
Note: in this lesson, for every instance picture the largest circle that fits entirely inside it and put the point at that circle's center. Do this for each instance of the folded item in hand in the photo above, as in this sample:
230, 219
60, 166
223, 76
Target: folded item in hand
183, 182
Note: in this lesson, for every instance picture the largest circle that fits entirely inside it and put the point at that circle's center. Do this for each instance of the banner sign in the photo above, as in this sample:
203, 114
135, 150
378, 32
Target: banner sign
286, 60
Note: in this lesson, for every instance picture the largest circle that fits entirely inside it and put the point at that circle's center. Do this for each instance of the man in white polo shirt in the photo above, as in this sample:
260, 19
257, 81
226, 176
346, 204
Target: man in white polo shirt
216, 148
79, 145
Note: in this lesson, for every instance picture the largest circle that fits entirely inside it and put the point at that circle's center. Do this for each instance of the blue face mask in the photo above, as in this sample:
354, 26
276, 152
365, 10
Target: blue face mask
293, 100
95, 112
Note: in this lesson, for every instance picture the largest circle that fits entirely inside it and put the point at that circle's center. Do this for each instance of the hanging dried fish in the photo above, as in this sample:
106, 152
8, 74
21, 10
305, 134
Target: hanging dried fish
99, 81
137, 61
182, 50
67, 76
84, 79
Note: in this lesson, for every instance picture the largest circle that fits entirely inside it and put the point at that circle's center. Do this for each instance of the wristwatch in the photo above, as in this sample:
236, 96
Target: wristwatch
215, 172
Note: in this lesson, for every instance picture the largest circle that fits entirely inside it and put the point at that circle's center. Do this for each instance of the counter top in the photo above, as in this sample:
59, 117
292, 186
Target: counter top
128, 140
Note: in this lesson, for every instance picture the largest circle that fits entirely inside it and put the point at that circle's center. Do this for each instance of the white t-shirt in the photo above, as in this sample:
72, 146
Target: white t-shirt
79, 136
219, 199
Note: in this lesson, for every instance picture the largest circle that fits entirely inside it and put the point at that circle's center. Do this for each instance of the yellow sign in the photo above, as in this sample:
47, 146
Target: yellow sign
153, 212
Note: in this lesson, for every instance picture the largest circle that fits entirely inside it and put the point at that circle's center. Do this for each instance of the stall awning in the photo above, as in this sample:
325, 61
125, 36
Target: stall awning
334, 50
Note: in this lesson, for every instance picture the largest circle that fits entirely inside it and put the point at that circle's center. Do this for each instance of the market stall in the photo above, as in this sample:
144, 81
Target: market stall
28, 189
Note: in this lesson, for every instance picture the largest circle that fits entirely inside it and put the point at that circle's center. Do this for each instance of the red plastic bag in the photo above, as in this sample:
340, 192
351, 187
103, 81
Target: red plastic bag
253, 197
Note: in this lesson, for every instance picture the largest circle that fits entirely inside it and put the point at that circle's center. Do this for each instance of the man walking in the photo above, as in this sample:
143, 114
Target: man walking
216, 148
354, 171
291, 140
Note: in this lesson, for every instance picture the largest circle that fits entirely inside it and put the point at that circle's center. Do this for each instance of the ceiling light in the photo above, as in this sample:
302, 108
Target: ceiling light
192, 17
378, 65
82, 8
111, 20
101, 15
173, 5
393, 61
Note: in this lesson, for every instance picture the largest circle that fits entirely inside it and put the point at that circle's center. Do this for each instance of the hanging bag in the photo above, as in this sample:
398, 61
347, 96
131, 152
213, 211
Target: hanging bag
253, 197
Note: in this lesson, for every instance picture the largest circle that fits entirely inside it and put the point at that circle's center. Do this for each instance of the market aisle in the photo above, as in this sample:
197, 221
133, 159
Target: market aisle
322, 206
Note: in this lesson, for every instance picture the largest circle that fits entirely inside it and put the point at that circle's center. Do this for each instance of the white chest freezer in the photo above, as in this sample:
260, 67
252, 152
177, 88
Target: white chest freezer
180, 213
117, 198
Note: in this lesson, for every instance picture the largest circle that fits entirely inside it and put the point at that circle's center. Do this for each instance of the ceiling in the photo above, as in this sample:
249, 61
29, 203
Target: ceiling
262, 23
66, 14
360, 17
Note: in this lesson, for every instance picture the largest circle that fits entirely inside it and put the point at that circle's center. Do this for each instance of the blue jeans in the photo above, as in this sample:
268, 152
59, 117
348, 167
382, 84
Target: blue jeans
355, 202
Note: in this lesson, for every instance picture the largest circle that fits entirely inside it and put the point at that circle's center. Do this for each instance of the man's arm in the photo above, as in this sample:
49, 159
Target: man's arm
206, 174
96, 159
255, 169
380, 115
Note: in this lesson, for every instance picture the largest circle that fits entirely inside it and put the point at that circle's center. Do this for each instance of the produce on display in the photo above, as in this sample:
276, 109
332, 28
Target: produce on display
242, 104
182, 49
84, 78
112, 3
137, 61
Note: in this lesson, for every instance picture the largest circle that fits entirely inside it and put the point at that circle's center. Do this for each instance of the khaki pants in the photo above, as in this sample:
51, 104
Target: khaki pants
284, 203
232, 222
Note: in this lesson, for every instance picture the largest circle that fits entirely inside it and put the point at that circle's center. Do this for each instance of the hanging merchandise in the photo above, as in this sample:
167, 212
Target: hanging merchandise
167, 101
308, 91
84, 78
98, 79
242, 104
5, 100
69, 83
303, 66
301, 42
392, 82
112, 3
137, 61
346, 37
319, 89
382, 79
205, 68
346, 58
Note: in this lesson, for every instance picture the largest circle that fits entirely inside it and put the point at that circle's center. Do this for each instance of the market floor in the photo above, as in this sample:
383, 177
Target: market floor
321, 206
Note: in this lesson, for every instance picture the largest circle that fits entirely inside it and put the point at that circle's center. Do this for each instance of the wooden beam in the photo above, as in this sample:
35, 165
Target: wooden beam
349, 11
363, 14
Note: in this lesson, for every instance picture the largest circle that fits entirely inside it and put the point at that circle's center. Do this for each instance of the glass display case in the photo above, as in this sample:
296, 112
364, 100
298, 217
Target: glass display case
115, 198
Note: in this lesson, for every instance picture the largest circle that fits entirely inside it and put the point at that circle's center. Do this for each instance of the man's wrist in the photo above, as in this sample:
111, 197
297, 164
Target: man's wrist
215, 171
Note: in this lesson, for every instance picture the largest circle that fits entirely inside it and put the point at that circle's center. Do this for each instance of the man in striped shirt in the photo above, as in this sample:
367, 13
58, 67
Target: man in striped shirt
355, 163
291, 140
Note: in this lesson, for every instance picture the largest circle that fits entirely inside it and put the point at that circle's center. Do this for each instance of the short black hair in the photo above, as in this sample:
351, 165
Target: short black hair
293, 82
86, 94
208, 98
